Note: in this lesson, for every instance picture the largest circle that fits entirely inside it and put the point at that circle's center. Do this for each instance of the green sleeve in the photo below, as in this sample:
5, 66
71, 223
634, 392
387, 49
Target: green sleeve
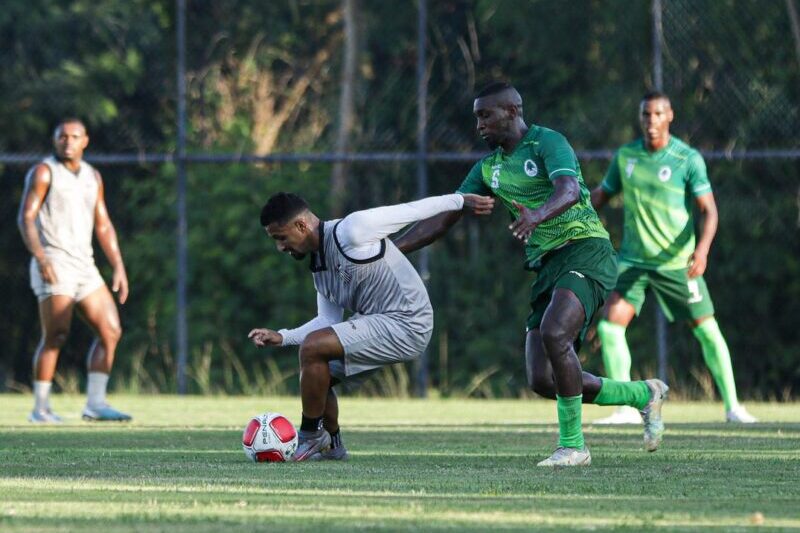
473, 183
697, 177
558, 156
612, 184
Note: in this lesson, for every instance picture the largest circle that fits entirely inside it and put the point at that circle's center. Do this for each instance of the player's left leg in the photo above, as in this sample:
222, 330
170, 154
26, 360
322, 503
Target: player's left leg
718, 359
330, 422
689, 299
99, 312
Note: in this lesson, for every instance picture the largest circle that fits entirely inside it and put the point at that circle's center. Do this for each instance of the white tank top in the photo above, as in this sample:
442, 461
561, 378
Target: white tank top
66, 218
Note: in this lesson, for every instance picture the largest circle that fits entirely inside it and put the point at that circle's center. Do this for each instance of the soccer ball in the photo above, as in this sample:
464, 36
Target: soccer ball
269, 438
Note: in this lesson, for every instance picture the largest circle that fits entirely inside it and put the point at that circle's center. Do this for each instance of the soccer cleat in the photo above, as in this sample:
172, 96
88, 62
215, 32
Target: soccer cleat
104, 413
331, 454
44, 417
739, 415
310, 443
651, 414
621, 415
568, 457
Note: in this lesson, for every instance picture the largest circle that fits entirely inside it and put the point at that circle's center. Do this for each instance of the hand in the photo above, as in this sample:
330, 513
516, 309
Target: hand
697, 263
47, 271
480, 205
525, 223
265, 337
119, 284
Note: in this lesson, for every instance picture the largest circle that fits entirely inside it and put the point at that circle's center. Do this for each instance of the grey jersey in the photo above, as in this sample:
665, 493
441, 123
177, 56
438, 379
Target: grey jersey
384, 284
66, 218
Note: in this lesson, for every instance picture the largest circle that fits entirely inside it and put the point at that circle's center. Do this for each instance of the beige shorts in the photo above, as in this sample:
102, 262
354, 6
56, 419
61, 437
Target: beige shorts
373, 341
76, 279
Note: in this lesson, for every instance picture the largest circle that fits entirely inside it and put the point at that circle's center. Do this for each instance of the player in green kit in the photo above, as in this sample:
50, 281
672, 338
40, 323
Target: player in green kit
534, 173
661, 178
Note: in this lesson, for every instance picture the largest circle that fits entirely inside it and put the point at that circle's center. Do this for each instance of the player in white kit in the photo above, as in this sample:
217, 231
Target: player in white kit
62, 205
355, 268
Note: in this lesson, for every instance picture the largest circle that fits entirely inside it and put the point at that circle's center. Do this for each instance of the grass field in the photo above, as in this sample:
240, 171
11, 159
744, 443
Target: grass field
463, 465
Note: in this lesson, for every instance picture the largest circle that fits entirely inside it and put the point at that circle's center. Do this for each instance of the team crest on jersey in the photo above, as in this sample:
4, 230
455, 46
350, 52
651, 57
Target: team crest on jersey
530, 168
664, 173
629, 167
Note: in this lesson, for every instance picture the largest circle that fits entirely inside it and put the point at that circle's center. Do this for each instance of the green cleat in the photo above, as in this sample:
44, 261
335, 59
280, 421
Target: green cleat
651, 414
568, 457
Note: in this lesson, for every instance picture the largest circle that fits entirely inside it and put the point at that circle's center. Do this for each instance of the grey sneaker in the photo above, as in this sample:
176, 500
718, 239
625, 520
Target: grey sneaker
104, 413
651, 414
310, 443
568, 457
44, 417
331, 454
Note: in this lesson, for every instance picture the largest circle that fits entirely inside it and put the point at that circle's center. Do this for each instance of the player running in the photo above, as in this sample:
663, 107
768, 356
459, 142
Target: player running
534, 173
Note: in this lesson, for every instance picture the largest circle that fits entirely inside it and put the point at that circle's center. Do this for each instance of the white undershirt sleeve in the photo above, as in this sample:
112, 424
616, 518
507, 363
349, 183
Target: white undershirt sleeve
328, 313
359, 234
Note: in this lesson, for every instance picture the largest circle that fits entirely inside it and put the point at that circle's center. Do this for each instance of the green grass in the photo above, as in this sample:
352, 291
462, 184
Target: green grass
464, 465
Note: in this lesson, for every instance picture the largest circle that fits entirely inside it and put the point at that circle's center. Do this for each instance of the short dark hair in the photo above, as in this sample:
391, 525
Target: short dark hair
655, 95
494, 88
69, 120
281, 208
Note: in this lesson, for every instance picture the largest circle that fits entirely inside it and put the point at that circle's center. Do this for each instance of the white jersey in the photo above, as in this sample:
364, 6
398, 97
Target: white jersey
357, 269
66, 218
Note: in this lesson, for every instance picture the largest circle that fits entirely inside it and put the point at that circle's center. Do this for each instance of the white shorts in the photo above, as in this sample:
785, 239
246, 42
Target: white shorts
373, 341
76, 279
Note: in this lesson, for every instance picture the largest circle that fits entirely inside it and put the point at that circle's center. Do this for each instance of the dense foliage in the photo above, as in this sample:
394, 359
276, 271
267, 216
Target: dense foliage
264, 77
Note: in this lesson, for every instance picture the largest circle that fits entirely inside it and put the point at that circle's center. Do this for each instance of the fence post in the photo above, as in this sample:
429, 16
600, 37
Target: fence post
658, 80
182, 259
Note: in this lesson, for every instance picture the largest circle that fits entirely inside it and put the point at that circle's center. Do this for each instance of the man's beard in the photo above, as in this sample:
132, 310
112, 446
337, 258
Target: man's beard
298, 257
492, 143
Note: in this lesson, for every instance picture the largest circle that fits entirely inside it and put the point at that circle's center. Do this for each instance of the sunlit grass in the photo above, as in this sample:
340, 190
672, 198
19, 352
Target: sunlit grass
416, 465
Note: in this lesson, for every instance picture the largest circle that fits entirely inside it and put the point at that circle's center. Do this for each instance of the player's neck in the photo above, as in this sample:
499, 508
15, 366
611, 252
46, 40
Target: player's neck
514, 138
657, 144
73, 165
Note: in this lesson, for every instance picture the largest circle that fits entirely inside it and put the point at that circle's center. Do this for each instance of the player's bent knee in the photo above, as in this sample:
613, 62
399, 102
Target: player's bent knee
543, 386
555, 338
56, 339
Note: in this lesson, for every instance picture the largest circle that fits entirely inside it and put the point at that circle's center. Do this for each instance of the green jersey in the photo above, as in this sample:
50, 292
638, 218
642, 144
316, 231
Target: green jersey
525, 175
659, 189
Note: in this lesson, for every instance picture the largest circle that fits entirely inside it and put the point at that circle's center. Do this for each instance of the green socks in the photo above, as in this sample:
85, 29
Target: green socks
718, 359
616, 355
569, 421
633, 393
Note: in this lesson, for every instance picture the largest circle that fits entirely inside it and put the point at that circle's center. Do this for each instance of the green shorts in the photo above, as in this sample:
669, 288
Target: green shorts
587, 267
679, 297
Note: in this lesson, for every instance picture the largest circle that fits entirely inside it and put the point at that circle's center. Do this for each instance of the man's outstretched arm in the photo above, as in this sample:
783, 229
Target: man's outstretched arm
426, 231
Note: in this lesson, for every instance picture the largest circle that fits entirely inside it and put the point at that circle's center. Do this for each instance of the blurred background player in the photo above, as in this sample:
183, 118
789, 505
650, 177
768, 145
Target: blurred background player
62, 204
355, 268
661, 177
534, 172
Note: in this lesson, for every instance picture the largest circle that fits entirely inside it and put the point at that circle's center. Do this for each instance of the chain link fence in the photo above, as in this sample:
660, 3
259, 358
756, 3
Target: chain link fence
267, 109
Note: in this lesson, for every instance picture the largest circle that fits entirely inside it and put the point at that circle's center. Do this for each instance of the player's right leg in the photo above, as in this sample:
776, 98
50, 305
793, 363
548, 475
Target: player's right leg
55, 315
330, 422
316, 352
617, 315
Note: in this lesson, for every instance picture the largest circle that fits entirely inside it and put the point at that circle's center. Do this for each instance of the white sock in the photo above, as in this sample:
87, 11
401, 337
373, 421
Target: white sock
41, 395
96, 390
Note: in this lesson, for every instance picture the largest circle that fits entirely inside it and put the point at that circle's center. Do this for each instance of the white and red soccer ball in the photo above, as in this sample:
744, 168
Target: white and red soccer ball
269, 438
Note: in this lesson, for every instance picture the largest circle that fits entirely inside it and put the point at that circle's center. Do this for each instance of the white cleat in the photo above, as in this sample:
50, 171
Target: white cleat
651, 414
739, 415
44, 417
623, 414
568, 457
